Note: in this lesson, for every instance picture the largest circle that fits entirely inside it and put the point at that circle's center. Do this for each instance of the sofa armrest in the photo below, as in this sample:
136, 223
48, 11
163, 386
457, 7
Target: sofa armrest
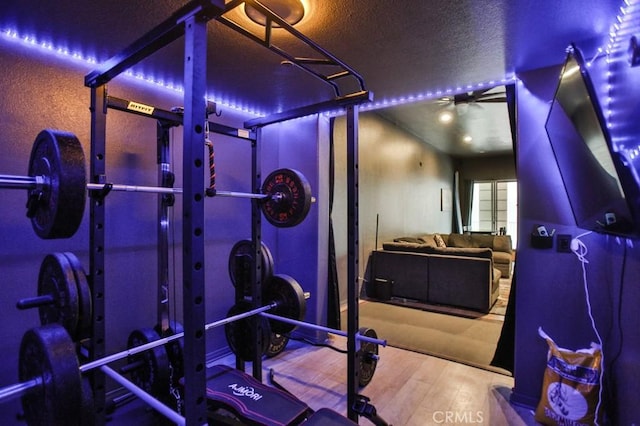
502, 243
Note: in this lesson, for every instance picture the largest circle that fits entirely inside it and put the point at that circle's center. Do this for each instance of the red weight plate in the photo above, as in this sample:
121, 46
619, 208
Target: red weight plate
289, 198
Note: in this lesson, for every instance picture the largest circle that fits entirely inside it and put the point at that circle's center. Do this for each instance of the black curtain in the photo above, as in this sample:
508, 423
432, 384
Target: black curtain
466, 196
333, 288
504, 355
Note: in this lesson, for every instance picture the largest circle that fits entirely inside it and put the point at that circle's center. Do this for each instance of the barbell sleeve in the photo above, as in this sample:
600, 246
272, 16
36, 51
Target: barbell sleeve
373, 340
19, 389
150, 400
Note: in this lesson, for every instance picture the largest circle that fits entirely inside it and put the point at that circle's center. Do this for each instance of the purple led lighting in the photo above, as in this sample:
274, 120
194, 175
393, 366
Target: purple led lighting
88, 62
627, 23
428, 95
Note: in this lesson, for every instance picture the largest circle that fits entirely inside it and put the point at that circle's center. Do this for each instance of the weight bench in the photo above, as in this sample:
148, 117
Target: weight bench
236, 398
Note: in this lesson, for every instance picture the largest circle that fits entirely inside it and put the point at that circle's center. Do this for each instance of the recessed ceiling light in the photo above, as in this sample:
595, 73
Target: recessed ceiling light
467, 139
445, 117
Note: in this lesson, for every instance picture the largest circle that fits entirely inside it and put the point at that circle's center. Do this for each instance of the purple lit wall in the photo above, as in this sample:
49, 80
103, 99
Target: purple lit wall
550, 285
44, 89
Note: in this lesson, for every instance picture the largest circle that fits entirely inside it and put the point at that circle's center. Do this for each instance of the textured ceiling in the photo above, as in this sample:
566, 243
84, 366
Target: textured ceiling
402, 48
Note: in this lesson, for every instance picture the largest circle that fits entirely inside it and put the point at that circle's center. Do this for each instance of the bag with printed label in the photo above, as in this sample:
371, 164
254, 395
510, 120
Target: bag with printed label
571, 386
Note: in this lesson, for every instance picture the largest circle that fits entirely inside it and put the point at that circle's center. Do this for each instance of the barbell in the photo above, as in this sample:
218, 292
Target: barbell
57, 187
274, 329
50, 374
51, 383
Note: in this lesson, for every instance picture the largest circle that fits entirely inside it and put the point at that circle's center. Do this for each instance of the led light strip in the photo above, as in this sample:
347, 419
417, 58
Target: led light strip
627, 23
89, 62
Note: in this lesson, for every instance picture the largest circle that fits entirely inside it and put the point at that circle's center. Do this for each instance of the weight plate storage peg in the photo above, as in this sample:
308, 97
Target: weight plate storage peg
240, 261
289, 198
57, 205
151, 372
289, 297
48, 353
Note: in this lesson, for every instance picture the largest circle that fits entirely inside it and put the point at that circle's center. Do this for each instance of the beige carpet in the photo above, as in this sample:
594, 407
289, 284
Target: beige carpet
466, 340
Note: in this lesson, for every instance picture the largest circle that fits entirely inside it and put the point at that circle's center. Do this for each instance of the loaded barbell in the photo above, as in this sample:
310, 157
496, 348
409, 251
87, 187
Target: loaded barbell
50, 374
51, 384
57, 187
274, 329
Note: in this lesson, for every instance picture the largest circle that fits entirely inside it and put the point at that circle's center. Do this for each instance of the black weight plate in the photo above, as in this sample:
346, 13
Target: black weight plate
277, 344
49, 353
85, 304
175, 349
88, 408
239, 333
368, 357
58, 156
243, 249
291, 303
289, 198
56, 278
153, 375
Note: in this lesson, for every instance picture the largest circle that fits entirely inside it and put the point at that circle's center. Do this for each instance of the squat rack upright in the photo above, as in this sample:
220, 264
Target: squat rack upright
190, 22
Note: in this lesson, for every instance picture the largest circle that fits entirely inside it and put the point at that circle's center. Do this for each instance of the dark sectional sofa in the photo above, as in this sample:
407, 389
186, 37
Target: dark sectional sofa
464, 271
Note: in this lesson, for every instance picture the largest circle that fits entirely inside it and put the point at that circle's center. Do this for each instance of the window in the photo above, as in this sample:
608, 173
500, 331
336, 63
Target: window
494, 208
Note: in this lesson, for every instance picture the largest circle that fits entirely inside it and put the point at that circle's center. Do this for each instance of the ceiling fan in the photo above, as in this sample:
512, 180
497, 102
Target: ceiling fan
492, 95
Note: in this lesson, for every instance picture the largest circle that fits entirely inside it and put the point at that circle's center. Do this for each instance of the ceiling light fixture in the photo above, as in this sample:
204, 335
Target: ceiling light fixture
292, 11
467, 139
445, 117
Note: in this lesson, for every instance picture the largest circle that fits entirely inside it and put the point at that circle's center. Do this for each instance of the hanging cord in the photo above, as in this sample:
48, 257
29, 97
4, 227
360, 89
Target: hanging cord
211, 191
580, 250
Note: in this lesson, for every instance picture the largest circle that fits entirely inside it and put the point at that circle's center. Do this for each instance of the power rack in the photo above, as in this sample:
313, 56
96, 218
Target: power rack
190, 23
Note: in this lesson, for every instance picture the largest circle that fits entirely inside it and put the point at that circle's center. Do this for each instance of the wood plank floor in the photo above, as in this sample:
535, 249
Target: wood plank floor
407, 389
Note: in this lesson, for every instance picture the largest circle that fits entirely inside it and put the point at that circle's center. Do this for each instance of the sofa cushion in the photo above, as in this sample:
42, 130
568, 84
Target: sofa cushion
403, 246
480, 240
416, 240
429, 240
460, 240
501, 257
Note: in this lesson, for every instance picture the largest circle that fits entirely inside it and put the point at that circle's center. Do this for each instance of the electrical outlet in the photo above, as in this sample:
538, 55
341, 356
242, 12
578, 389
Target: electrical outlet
563, 243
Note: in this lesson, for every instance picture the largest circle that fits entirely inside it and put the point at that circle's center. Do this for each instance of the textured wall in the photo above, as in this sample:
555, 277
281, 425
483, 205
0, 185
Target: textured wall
400, 180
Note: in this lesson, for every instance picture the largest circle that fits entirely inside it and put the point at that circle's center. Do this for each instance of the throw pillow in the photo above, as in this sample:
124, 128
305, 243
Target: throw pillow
439, 240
